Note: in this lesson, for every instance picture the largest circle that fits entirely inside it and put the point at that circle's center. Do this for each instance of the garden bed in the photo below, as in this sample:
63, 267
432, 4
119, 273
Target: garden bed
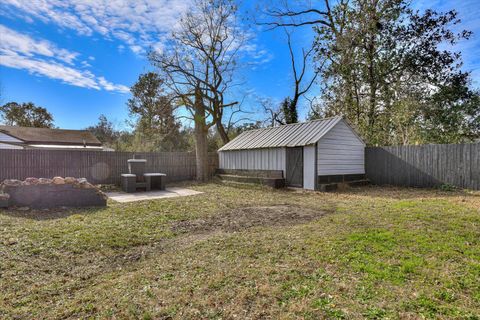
52, 193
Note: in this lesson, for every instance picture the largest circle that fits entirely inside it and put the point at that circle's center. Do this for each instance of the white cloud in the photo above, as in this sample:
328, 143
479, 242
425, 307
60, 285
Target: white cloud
138, 23
111, 86
50, 69
17, 42
43, 58
85, 64
136, 49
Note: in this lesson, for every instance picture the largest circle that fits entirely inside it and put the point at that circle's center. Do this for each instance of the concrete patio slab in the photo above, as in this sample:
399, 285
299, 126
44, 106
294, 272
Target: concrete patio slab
151, 195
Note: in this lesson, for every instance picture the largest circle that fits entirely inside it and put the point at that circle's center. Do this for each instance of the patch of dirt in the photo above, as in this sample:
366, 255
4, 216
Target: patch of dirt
244, 218
192, 231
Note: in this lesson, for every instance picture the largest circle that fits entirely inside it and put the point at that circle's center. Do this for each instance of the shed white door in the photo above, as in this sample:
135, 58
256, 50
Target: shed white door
294, 167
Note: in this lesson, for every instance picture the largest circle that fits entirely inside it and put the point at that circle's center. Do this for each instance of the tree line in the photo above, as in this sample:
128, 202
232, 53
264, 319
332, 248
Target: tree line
390, 70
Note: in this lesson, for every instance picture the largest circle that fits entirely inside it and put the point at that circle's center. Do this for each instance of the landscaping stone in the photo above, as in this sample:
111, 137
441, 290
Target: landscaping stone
31, 181
81, 180
70, 180
86, 185
12, 182
44, 181
58, 180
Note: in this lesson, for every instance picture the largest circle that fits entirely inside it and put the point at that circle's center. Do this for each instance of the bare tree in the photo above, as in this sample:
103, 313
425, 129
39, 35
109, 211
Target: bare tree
301, 84
234, 119
199, 67
284, 16
274, 115
287, 111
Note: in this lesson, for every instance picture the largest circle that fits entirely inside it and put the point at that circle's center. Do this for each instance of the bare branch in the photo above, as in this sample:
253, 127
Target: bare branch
310, 16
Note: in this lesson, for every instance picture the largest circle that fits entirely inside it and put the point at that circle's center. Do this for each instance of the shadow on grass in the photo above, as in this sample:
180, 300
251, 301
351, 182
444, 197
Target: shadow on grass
406, 193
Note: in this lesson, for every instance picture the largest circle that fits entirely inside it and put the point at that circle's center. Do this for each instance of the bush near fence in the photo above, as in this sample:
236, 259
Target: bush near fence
99, 167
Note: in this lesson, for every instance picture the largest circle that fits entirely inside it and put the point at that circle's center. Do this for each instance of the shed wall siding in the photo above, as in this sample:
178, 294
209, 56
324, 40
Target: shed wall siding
309, 167
256, 159
9, 146
340, 151
6, 138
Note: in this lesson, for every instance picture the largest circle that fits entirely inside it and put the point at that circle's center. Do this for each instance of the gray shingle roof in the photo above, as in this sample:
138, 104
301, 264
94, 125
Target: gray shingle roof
290, 135
51, 136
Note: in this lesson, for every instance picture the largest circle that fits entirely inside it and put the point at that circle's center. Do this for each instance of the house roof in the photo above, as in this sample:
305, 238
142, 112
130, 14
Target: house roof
290, 135
45, 136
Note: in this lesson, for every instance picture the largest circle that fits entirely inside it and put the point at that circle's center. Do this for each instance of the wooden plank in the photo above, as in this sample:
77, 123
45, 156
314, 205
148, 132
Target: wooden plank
425, 165
97, 166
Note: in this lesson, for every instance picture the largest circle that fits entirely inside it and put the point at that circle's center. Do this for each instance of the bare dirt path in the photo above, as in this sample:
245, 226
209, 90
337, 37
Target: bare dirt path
245, 218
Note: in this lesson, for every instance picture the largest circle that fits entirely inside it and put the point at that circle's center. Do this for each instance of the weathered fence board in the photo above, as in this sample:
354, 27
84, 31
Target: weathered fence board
97, 166
425, 165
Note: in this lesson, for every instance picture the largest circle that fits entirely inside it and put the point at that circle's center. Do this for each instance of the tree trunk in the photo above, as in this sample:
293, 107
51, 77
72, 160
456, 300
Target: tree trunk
372, 79
373, 89
201, 149
201, 144
222, 132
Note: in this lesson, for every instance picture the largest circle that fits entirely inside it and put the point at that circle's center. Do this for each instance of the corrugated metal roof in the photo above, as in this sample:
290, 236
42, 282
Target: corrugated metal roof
290, 135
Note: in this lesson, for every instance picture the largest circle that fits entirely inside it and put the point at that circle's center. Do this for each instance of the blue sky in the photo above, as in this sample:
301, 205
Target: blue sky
77, 58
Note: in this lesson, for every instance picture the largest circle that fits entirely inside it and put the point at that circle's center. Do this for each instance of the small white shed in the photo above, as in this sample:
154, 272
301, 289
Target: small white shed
308, 154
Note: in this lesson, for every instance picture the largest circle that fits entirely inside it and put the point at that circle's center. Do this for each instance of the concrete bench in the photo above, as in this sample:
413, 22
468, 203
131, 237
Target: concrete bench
155, 180
129, 183
151, 181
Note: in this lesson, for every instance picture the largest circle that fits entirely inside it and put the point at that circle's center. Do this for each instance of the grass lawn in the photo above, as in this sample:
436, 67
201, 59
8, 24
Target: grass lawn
248, 253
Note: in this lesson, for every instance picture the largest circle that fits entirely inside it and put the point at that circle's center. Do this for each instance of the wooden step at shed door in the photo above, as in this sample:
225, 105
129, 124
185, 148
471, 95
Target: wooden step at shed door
294, 167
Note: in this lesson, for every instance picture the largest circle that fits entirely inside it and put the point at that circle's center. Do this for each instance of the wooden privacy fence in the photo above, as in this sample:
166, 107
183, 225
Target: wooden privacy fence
425, 165
99, 167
